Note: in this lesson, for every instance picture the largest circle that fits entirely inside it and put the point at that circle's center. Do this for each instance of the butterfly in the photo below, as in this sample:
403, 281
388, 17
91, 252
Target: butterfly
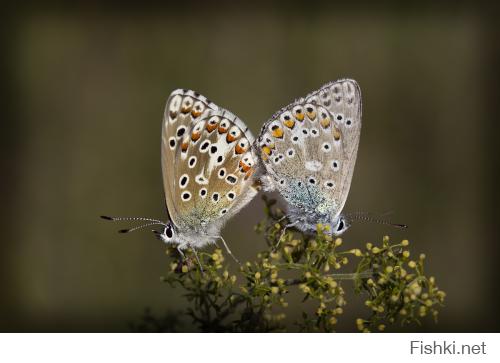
309, 149
208, 167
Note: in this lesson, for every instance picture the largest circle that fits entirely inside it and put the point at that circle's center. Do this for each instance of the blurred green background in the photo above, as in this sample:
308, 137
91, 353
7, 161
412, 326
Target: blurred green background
86, 88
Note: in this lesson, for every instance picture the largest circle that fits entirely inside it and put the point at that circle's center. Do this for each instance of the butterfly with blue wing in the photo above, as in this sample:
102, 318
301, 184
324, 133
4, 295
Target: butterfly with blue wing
308, 150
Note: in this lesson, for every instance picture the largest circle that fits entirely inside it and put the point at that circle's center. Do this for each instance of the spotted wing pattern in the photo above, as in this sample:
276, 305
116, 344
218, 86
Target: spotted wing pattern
207, 161
309, 147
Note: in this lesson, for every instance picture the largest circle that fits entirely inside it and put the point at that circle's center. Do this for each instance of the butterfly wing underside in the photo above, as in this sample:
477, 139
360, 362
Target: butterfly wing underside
207, 162
309, 147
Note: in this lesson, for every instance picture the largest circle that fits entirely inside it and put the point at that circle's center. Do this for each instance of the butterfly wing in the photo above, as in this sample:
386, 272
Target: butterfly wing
309, 147
207, 162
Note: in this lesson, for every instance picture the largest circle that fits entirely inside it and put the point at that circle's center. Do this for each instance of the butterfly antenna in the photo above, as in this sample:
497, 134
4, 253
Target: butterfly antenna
128, 230
152, 221
365, 217
108, 218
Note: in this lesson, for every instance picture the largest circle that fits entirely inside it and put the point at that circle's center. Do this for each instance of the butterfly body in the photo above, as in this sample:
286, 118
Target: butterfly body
208, 168
308, 150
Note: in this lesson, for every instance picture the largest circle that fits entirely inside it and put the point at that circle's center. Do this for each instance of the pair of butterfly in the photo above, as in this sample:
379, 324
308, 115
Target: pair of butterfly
212, 166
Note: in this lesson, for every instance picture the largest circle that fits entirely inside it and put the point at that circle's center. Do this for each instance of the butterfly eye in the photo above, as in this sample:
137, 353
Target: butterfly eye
168, 231
341, 225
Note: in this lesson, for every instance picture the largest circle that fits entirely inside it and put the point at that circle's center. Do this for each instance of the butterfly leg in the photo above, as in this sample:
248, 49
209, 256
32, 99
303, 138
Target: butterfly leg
228, 250
180, 252
198, 260
283, 233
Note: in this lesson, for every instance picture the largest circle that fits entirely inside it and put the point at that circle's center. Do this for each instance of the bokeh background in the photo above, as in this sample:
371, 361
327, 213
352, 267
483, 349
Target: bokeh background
86, 87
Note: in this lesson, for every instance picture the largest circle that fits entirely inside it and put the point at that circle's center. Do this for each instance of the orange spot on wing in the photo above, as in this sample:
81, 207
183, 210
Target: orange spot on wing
239, 150
195, 135
289, 123
277, 132
336, 134
325, 122
211, 127
244, 167
184, 146
311, 115
173, 114
266, 150
196, 112
222, 130
299, 116
230, 138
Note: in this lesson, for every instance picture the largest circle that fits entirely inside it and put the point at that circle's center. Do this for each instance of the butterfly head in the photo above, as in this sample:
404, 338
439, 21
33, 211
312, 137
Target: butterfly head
168, 234
340, 225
